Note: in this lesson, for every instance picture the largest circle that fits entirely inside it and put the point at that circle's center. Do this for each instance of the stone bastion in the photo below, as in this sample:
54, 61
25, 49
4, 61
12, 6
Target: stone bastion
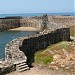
19, 53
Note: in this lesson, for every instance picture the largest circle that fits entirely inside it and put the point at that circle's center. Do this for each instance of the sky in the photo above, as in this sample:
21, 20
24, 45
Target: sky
36, 6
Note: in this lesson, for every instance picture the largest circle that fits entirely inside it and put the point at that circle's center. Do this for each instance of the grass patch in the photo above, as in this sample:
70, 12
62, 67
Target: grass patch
47, 60
41, 58
45, 57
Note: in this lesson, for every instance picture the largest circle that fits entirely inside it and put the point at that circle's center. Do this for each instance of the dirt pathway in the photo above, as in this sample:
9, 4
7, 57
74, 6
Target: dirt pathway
32, 71
41, 71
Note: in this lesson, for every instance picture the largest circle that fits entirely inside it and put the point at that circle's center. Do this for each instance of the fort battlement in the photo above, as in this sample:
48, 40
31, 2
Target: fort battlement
22, 49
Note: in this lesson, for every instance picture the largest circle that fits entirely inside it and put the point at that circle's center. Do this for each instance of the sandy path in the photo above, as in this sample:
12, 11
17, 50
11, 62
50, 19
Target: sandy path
32, 71
41, 71
23, 29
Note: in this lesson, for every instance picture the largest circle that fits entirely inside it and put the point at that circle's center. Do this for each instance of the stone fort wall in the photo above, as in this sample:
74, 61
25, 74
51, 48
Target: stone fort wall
24, 48
41, 22
13, 22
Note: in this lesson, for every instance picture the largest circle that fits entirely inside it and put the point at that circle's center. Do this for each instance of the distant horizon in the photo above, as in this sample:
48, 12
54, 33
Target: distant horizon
34, 14
38, 13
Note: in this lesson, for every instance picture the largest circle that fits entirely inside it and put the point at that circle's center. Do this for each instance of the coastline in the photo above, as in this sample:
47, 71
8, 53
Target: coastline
23, 29
37, 14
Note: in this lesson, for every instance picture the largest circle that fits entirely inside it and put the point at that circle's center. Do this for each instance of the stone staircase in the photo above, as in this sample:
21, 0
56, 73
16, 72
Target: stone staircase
21, 66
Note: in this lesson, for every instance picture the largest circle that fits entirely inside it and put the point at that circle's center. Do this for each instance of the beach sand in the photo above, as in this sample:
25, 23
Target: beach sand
23, 29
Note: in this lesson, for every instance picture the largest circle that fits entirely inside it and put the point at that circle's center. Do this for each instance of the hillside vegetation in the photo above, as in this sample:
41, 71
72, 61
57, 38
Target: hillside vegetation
60, 55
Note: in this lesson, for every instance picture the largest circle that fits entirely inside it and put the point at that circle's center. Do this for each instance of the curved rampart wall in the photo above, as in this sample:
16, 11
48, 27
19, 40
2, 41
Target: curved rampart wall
23, 48
12, 51
42, 41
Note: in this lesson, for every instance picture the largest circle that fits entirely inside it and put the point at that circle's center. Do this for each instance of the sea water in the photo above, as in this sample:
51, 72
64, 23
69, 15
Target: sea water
36, 14
7, 36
